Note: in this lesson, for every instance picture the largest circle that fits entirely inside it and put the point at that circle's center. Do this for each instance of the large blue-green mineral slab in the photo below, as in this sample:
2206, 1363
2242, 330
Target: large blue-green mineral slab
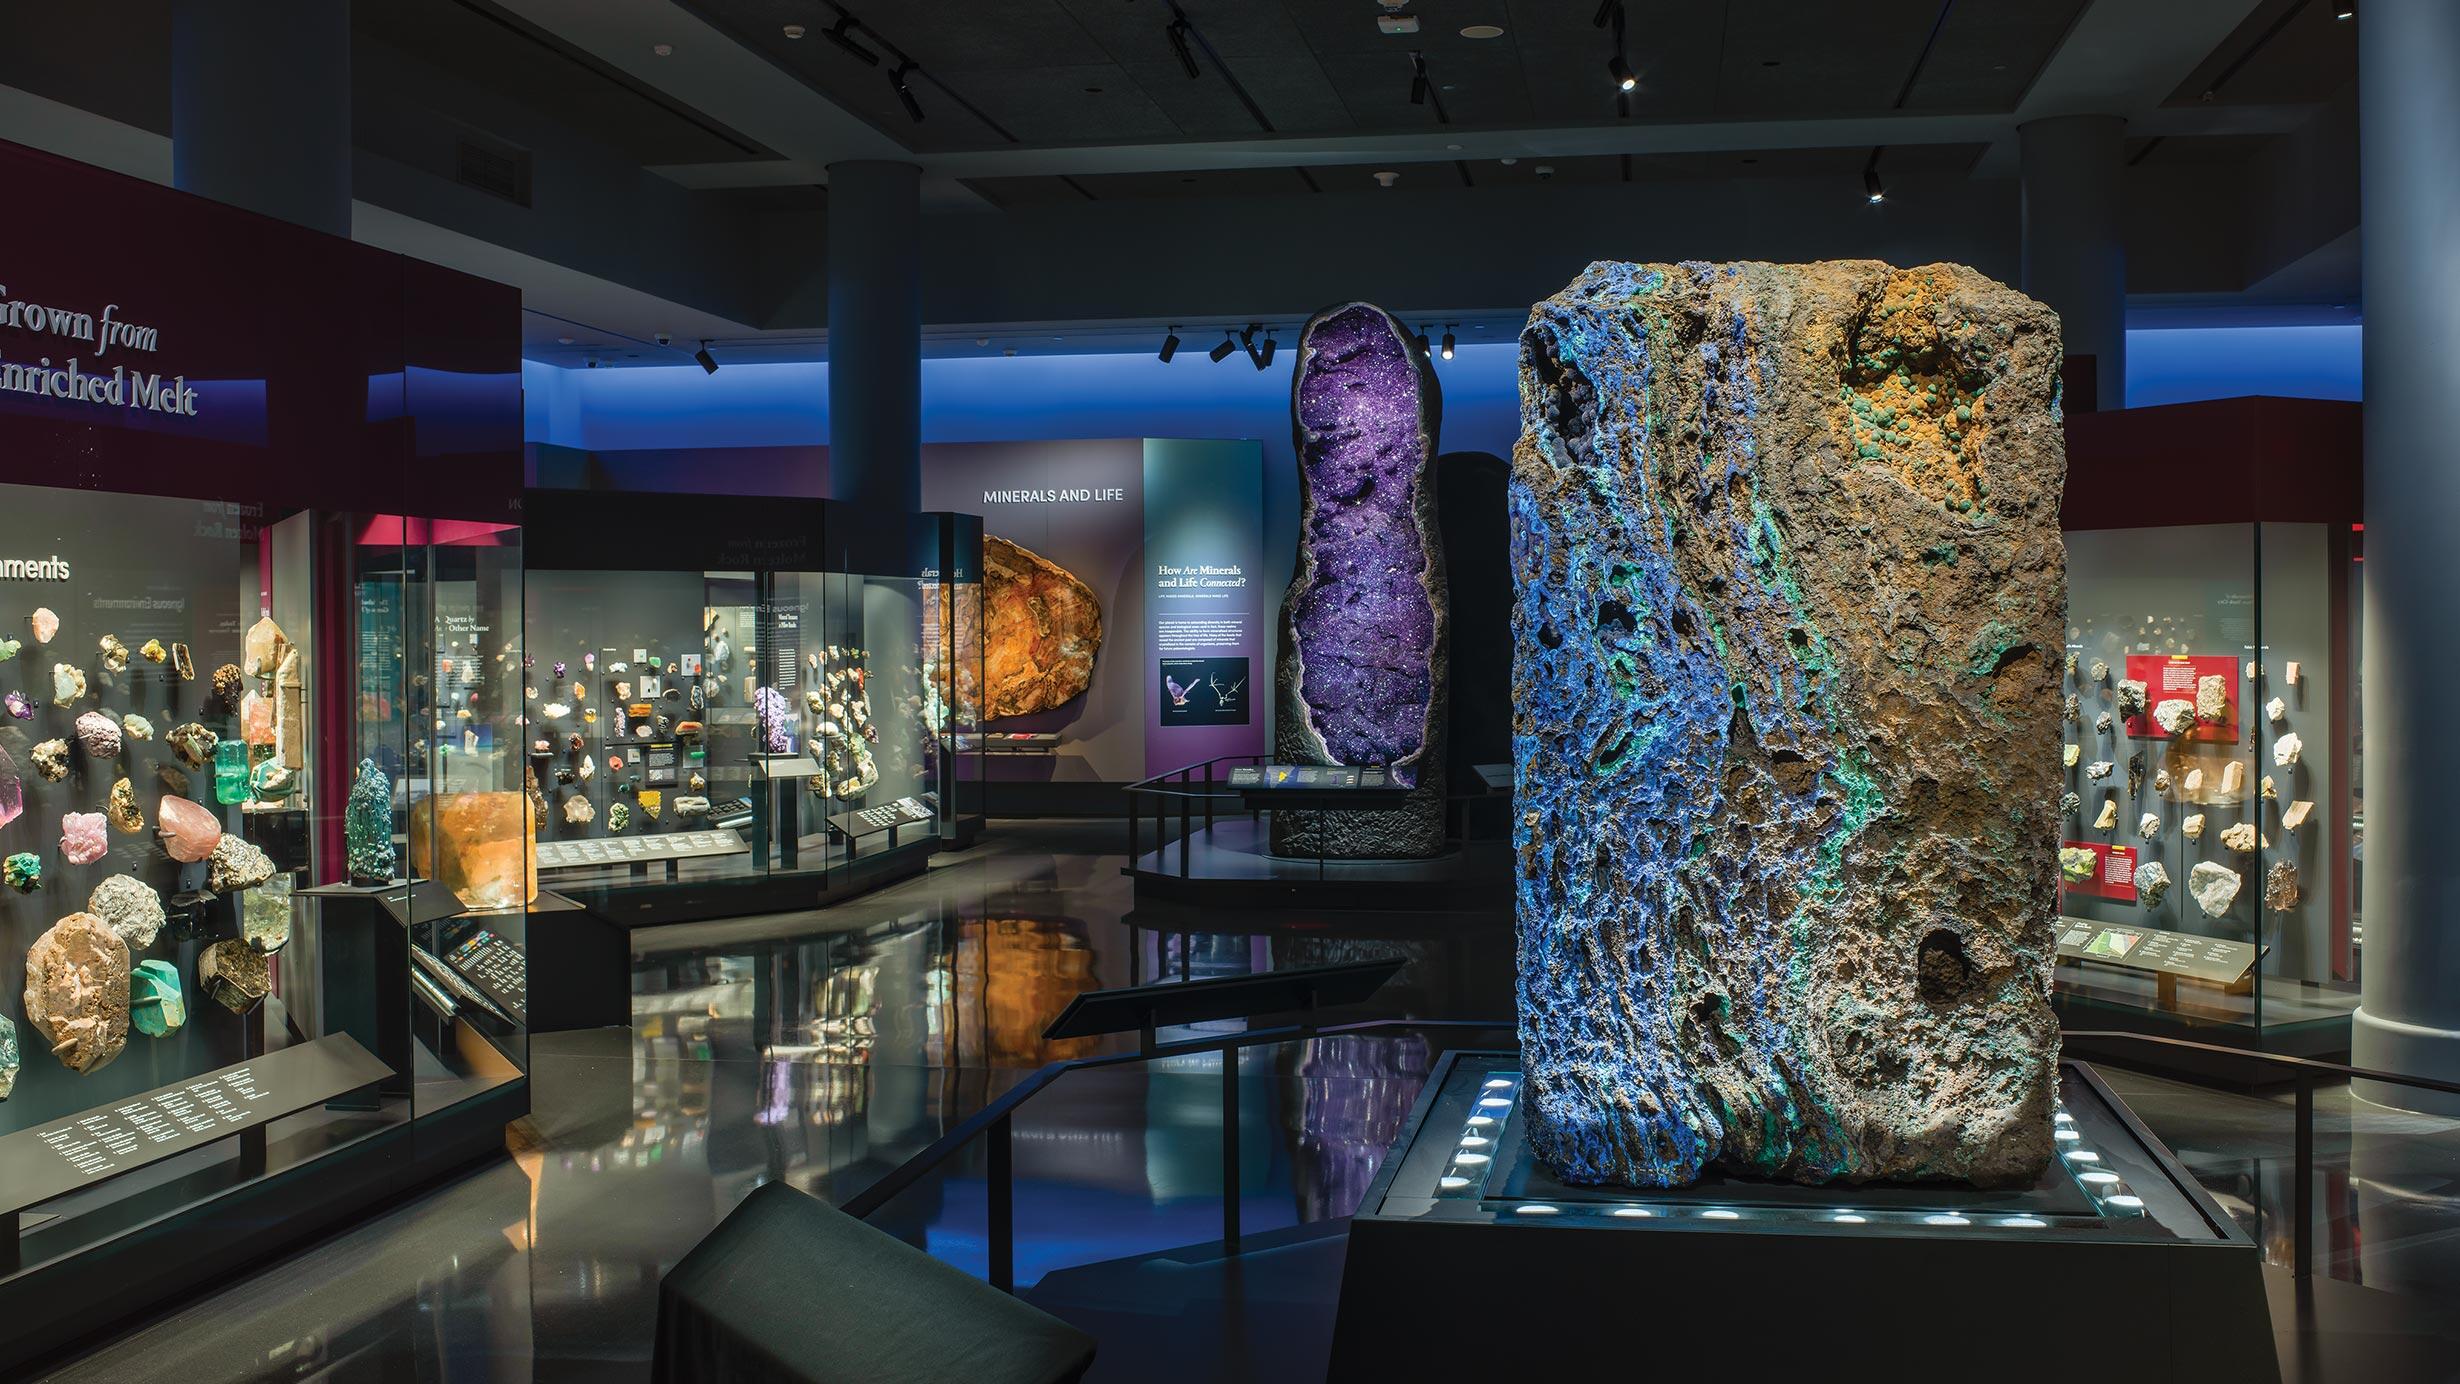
1786, 659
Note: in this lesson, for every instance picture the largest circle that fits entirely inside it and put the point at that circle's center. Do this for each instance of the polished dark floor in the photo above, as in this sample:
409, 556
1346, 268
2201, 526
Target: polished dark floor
824, 1049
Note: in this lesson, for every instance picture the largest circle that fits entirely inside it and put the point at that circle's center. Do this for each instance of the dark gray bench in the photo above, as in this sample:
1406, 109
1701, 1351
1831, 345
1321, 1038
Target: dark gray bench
788, 1288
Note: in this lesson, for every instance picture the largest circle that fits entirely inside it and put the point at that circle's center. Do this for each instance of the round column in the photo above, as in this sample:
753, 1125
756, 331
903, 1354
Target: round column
875, 335
2075, 252
260, 107
2409, 122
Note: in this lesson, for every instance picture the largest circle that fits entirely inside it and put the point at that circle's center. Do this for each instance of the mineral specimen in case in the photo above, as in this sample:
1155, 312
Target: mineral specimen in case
77, 992
2239, 838
153, 651
235, 974
67, 684
2152, 883
193, 744
189, 830
367, 826
776, 720
1757, 928
2215, 887
98, 734
2286, 749
2193, 827
2281, 886
2294, 816
11, 1059
2148, 826
227, 686
1041, 629
46, 625
22, 871
479, 845
2109, 813
236, 863
114, 654
2175, 717
129, 907
51, 760
155, 1005
2077, 862
2212, 699
1361, 671
264, 915
83, 838
2130, 698
121, 807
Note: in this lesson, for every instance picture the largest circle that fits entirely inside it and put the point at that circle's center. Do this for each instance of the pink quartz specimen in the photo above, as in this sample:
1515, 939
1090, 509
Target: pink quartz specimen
189, 831
256, 718
83, 839
46, 624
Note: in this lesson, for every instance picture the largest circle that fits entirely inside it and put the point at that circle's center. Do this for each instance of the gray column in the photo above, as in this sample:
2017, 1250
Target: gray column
2409, 124
875, 335
260, 107
2075, 252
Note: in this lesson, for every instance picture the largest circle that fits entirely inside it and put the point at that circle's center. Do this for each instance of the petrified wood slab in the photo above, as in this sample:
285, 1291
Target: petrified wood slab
1042, 627
1786, 734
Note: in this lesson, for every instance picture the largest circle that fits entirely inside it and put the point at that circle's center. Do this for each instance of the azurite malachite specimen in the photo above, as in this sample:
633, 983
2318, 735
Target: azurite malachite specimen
1362, 670
1786, 736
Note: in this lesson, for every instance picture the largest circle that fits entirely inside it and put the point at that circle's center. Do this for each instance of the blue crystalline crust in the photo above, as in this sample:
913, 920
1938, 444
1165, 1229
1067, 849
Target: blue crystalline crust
1741, 941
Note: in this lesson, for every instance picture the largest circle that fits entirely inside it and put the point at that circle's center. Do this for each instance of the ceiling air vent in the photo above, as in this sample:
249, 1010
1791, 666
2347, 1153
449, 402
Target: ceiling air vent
493, 167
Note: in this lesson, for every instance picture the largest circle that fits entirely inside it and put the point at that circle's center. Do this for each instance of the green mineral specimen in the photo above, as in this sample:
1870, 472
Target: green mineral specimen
231, 772
155, 1004
367, 823
618, 816
264, 915
23, 872
9, 1058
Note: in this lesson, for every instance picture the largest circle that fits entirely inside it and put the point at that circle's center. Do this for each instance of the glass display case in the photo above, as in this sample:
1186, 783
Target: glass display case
734, 715
2209, 846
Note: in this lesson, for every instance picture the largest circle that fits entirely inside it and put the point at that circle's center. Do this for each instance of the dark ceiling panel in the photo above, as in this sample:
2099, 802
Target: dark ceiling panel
1571, 86
1007, 193
1293, 95
2184, 150
113, 60
1097, 103
483, 45
1989, 52
1801, 58
1235, 28
1348, 26
1479, 88
978, 35
2286, 51
1218, 182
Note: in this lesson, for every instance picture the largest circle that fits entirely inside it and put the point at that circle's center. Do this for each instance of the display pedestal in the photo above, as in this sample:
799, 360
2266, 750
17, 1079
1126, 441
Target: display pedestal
1467, 1257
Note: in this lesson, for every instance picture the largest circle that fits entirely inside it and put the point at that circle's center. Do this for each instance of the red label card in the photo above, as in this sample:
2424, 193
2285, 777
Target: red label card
2173, 678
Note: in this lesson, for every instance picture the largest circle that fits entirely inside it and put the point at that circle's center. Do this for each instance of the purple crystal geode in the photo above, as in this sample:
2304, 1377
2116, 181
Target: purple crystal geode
776, 720
1363, 661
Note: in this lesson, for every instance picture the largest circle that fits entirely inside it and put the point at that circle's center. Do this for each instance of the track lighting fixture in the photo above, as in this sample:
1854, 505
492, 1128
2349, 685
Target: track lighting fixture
2346, 9
1264, 357
1222, 352
1170, 345
1420, 338
706, 361
841, 33
905, 92
1872, 191
1417, 80
1448, 342
1607, 12
1178, 44
1624, 78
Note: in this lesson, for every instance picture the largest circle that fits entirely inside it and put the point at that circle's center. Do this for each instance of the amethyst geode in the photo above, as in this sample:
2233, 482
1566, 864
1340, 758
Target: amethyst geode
1363, 661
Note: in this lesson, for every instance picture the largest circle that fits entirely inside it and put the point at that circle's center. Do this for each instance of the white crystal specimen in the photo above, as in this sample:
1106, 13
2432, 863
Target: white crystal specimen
2098, 769
2276, 710
2287, 748
2193, 827
2212, 699
2294, 816
2291, 675
2240, 838
2072, 754
2215, 887
2109, 813
2233, 778
2101, 670
2175, 716
2148, 826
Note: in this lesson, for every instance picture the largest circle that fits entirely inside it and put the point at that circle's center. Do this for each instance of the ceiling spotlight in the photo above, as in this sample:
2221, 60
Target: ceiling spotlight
1178, 44
2347, 9
1170, 345
795, 31
1872, 191
1222, 352
1417, 80
706, 361
563, 341
1482, 31
1624, 78
1420, 338
841, 33
663, 50
905, 93
1607, 11
1264, 358
1448, 343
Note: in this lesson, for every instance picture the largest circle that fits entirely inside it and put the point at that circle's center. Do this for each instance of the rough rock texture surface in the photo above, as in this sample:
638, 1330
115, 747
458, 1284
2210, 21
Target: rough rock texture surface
1787, 723
77, 991
2215, 887
1363, 669
1041, 627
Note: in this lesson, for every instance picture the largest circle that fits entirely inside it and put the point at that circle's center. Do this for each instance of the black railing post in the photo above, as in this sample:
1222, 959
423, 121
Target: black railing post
2302, 1196
1003, 1207
1208, 797
1230, 1150
1186, 813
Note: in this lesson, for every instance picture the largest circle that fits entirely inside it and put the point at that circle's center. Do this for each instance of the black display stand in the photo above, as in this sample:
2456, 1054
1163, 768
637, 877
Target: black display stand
1466, 1257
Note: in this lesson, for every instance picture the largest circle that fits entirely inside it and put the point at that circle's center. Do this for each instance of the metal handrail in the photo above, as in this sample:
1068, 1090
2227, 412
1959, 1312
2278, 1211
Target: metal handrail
995, 1121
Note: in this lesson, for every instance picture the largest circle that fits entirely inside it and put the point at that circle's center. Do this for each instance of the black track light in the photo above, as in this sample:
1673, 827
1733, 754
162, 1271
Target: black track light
1178, 44
1448, 343
1247, 343
905, 92
2346, 9
1222, 352
1420, 338
841, 33
1872, 190
1264, 357
706, 361
1624, 78
1606, 12
1417, 80
1170, 345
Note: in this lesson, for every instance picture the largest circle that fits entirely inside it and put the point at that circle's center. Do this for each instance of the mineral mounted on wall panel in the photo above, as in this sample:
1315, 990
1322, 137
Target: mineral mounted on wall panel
1362, 674
1786, 723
